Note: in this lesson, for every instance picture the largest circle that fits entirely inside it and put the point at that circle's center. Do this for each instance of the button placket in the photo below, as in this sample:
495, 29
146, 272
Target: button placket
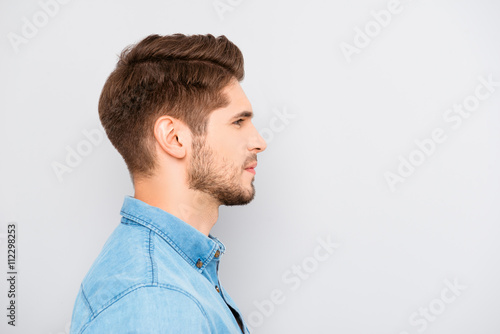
216, 257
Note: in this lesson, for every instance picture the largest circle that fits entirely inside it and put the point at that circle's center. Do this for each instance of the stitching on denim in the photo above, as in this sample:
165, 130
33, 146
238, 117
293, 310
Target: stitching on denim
128, 222
153, 265
87, 301
164, 236
143, 285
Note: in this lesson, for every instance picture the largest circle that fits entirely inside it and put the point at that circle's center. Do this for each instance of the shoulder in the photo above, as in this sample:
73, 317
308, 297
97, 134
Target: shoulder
122, 264
122, 284
159, 308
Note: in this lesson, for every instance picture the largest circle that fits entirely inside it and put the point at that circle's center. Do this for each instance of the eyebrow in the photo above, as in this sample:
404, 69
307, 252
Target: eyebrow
243, 114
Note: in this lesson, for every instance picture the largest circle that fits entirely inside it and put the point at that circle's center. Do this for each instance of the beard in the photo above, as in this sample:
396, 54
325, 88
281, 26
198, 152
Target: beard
214, 175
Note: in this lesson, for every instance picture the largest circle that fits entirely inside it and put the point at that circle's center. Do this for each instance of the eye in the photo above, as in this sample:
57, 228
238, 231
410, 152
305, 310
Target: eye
238, 122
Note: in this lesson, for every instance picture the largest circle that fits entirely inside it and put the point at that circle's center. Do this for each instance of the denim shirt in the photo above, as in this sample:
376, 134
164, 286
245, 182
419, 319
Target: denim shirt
155, 274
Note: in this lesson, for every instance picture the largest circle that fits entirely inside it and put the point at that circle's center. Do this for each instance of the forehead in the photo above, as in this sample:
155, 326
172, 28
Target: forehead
238, 102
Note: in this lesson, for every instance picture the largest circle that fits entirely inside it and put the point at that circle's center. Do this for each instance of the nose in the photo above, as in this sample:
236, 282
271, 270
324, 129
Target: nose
258, 143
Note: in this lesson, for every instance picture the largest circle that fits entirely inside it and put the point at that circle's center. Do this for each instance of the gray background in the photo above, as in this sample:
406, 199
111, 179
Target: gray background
322, 175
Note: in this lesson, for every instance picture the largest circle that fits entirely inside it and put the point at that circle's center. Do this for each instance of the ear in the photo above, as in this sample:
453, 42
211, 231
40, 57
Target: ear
170, 134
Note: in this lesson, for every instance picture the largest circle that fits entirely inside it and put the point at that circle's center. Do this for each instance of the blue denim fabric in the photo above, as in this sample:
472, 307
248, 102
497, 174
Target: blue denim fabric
155, 274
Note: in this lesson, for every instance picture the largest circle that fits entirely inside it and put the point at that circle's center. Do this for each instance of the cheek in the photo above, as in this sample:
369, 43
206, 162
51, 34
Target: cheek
229, 145
231, 155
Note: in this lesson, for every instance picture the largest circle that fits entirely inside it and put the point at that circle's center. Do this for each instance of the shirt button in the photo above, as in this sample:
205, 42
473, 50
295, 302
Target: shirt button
199, 264
217, 288
217, 254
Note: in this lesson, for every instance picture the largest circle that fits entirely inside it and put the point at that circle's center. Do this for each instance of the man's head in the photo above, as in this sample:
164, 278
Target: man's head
170, 106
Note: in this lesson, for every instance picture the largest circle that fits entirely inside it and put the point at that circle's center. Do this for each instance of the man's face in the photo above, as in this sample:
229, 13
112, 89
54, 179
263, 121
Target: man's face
219, 160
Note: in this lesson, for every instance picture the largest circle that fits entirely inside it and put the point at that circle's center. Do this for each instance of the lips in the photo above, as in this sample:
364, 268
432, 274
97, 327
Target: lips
250, 168
252, 165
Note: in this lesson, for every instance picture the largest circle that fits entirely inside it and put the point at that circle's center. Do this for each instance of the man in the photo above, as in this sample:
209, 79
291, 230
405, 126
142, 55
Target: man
174, 109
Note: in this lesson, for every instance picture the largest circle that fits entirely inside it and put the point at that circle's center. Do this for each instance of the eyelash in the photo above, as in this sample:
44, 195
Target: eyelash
238, 121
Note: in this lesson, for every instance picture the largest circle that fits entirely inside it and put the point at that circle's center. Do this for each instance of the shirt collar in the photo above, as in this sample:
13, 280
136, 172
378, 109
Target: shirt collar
195, 247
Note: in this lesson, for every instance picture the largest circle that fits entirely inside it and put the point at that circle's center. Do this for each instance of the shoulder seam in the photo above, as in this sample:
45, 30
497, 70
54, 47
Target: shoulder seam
139, 286
87, 301
154, 278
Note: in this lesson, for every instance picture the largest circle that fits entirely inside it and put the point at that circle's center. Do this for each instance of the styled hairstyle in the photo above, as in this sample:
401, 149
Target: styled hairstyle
176, 75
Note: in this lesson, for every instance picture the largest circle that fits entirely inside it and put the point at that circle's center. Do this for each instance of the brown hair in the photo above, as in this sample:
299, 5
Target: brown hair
176, 75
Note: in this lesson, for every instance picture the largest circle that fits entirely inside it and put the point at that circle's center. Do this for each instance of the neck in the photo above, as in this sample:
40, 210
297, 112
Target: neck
194, 207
